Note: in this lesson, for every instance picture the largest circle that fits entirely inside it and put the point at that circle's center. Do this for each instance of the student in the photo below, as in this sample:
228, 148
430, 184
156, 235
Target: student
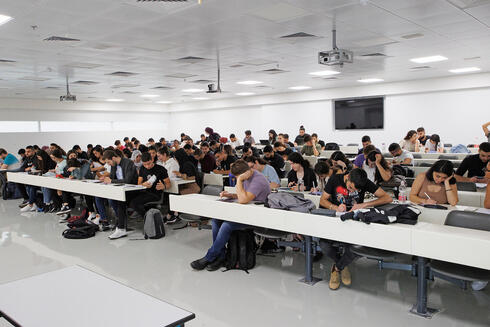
272, 136
182, 136
299, 140
340, 161
152, 150
189, 151
366, 148
44, 164
169, 163
123, 171
365, 140
249, 138
90, 147
400, 157
434, 144
207, 161
136, 159
314, 136
411, 142
251, 186
275, 160
205, 148
323, 173
155, 179
247, 151
118, 145
151, 142
436, 186
188, 140
214, 146
475, 165
286, 140
80, 154
282, 150
188, 171
224, 162
52, 147
310, 147
10, 162
343, 193
421, 135
22, 155
203, 139
212, 135
61, 170
234, 142
377, 168
301, 177
263, 167
137, 145
28, 165
127, 142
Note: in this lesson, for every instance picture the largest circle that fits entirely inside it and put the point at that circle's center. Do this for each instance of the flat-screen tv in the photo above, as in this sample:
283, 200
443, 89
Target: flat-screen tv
359, 113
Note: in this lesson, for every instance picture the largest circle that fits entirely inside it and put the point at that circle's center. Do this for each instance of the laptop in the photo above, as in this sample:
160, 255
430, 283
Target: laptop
264, 142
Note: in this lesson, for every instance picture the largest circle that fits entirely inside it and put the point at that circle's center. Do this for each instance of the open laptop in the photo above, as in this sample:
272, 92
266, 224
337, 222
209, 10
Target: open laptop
264, 142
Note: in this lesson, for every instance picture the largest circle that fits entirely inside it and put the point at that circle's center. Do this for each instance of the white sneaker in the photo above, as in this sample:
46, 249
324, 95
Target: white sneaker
118, 233
33, 208
95, 220
93, 215
478, 285
64, 218
27, 208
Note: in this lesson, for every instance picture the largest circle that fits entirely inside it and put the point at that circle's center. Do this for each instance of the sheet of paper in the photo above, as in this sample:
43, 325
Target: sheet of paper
483, 210
481, 185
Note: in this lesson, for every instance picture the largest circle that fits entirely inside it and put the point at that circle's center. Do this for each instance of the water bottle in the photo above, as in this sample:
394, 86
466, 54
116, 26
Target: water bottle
383, 147
300, 182
402, 193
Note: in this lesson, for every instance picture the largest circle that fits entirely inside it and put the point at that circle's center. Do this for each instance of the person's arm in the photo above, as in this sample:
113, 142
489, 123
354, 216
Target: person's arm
325, 203
4, 166
417, 145
163, 186
417, 185
485, 128
462, 169
274, 185
316, 153
385, 173
487, 198
407, 161
243, 196
382, 198
451, 191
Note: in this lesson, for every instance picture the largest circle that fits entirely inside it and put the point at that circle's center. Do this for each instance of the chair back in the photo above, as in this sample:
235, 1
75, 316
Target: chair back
466, 186
466, 219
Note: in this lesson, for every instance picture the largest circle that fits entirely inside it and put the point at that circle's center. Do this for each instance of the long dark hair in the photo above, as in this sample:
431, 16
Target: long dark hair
274, 136
410, 134
435, 138
340, 156
297, 158
372, 157
443, 167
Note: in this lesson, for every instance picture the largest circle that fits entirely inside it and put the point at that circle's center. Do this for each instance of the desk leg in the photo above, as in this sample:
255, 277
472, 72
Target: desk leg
309, 279
420, 309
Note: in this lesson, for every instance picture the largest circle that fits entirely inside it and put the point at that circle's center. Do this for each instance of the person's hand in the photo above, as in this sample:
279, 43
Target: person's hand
357, 206
314, 190
225, 194
71, 177
446, 181
291, 184
28, 168
160, 186
341, 208
473, 179
71, 169
246, 175
294, 187
378, 158
146, 184
176, 173
430, 201
107, 180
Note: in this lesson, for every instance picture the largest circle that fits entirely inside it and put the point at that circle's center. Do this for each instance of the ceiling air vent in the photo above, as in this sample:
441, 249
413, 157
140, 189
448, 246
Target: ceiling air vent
52, 88
6, 61
297, 35
257, 62
191, 59
162, 88
85, 82
236, 66
420, 68
329, 78
412, 36
375, 54
60, 38
122, 74
203, 81
117, 86
129, 92
273, 71
180, 75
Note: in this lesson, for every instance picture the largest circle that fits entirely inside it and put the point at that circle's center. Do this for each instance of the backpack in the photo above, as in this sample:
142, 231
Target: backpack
403, 214
154, 227
291, 202
403, 171
10, 191
241, 250
80, 230
460, 148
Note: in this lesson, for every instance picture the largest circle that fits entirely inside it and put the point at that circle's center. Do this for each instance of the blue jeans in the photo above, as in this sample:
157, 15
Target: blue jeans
31, 192
47, 195
100, 205
221, 234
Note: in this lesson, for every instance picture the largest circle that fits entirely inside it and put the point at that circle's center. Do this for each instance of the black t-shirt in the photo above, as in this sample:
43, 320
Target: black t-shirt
473, 165
286, 152
158, 171
82, 155
277, 162
299, 140
189, 169
226, 164
339, 194
427, 137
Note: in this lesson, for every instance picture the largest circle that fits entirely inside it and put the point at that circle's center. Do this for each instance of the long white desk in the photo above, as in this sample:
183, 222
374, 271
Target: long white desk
87, 187
174, 185
58, 299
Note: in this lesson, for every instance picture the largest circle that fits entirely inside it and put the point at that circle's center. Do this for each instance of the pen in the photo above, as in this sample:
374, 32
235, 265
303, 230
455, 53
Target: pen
428, 197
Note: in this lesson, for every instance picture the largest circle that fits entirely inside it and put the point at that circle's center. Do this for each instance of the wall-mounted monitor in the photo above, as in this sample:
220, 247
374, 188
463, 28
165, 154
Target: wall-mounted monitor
359, 113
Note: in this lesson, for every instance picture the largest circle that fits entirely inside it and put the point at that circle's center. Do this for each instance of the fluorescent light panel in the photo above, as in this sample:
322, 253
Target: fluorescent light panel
249, 82
370, 80
464, 70
424, 60
299, 88
325, 73
149, 95
115, 100
244, 93
192, 90
164, 102
5, 19
200, 98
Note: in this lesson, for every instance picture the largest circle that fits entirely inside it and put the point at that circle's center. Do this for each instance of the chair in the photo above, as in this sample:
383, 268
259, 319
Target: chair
387, 155
353, 144
189, 218
448, 145
466, 186
470, 146
455, 273
448, 157
332, 146
425, 164
417, 156
385, 259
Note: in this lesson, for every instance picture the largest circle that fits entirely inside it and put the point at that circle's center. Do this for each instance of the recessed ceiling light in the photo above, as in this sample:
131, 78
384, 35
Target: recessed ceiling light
149, 95
200, 98
370, 80
5, 19
114, 100
464, 70
325, 73
244, 93
249, 82
299, 88
192, 90
424, 60
164, 102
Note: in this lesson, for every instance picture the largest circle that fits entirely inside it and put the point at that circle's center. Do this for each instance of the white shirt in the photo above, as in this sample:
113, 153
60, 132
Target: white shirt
170, 165
370, 171
235, 144
405, 155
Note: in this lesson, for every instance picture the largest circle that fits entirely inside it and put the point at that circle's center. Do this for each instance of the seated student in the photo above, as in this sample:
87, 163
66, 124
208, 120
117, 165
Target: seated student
187, 171
190, 153
275, 160
54, 146
169, 163
214, 146
189, 141
434, 144
249, 138
314, 136
323, 173
224, 161
234, 142
90, 147
22, 155
263, 167
155, 179
118, 145
366, 148
10, 162
71, 155
286, 140
203, 139
340, 160
126, 142
205, 148
61, 170
182, 136
137, 145
75, 169
310, 148
400, 157
377, 168
212, 135
207, 161
411, 142
486, 130
423, 138
152, 150
299, 140
247, 151
282, 150
475, 166
301, 177
251, 186
346, 193
123, 171
80, 154
365, 140
28, 165
151, 142
136, 159
436, 186
272, 136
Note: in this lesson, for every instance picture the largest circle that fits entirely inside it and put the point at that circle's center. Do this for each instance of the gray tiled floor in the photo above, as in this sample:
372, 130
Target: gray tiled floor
269, 296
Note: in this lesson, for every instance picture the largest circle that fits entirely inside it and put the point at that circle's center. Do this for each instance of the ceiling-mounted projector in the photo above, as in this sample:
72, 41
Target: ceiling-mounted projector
335, 56
68, 96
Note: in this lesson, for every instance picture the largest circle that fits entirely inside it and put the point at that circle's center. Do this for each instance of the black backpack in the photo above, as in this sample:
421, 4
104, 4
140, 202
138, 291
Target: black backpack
403, 171
241, 250
80, 230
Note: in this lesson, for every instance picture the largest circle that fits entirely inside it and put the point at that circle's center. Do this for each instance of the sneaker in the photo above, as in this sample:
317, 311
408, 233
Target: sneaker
215, 265
104, 225
34, 208
64, 209
118, 233
95, 220
345, 277
334, 283
52, 208
200, 264
92, 216
135, 215
64, 218
478, 285
24, 203
173, 220
27, 208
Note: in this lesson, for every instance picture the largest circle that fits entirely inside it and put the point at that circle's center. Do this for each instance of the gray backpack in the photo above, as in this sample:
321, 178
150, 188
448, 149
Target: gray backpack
291, 202
154, 227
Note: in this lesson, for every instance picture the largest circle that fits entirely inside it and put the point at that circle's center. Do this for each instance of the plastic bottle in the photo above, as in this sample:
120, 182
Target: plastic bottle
402, 193
383, 147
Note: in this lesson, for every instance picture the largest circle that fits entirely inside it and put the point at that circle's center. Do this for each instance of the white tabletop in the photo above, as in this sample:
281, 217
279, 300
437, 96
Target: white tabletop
175, 183
77, 297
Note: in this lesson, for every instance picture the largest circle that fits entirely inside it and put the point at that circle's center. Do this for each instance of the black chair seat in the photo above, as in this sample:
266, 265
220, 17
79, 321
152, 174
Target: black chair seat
448, 157
459, 271
371, 253
417, 156
466, 186
270, 233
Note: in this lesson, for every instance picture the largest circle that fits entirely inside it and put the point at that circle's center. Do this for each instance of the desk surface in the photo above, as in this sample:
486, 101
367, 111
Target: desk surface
77, 297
